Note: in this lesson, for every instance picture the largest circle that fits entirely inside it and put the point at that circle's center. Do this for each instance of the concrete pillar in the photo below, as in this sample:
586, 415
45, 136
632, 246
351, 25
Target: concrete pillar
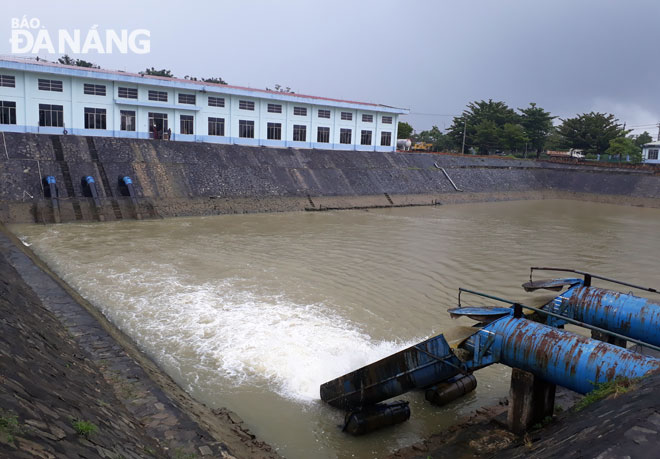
530, 400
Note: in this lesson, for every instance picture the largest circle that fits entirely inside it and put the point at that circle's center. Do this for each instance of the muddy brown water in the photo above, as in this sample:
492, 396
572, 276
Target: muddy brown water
254, 312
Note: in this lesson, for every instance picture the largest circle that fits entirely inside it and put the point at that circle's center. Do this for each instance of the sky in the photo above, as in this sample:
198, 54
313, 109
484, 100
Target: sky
432, 57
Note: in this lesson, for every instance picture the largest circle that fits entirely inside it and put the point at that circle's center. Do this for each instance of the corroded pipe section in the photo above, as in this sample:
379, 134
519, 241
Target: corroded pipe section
416, 367
622, 313
560, 357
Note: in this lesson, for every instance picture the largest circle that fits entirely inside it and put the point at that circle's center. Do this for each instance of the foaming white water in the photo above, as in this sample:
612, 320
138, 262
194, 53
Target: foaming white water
244, 337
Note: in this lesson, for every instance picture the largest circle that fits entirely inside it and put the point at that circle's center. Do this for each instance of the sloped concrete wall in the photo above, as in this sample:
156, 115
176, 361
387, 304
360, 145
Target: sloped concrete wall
180, 178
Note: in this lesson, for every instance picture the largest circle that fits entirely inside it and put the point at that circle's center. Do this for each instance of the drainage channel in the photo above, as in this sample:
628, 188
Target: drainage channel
91, 146
66, 174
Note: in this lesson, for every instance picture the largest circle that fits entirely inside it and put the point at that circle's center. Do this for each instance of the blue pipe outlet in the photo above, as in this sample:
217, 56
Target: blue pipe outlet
622, 313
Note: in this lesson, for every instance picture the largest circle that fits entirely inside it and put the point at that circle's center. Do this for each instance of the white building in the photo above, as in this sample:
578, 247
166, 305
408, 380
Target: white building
650, 153
48, 98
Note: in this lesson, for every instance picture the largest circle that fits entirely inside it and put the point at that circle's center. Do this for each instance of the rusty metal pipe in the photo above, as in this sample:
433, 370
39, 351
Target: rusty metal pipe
561, 357
629, 315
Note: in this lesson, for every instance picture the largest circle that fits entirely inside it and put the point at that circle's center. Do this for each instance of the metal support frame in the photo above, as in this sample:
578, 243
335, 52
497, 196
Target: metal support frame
589, 276
558, 316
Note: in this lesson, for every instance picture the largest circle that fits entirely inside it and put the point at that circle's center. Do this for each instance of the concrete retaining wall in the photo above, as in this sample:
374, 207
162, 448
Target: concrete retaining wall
180, 178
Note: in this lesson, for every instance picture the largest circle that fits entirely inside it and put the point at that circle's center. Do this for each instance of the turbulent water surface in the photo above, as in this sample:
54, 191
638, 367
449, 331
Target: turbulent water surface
254, 312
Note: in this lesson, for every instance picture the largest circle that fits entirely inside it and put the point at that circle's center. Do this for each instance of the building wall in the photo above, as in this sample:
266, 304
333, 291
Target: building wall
645, 154
74, 101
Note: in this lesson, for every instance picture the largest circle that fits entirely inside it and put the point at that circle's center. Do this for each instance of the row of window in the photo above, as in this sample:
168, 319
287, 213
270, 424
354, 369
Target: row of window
95, 118
190, 99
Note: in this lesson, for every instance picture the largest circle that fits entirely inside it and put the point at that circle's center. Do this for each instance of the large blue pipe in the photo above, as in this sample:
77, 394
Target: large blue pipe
622, 313
561, 357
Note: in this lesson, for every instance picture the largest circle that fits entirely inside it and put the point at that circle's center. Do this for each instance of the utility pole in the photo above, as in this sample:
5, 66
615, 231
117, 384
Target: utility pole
465, 130
658, 132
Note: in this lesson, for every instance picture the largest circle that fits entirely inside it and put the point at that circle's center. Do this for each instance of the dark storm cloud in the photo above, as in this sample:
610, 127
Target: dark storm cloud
431, 56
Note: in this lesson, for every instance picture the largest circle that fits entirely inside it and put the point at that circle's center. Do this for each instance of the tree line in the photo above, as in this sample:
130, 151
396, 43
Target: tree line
488, 127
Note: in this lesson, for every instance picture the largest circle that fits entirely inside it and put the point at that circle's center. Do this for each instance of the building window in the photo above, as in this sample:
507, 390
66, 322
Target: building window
324, 113
158, 96
128, 93
127, 120
187, 99
274, 131
347, 116
8, 112
385, 139
365, 138
94, 89
50, 85
187, 122
653, 154
387, 120
274, 108
299, 133
345, 136
246, 105
367, 118
323, 135
217, 126
216, 102
157, 125
246, 128
300, 111
7, 81
51, 115
94, 118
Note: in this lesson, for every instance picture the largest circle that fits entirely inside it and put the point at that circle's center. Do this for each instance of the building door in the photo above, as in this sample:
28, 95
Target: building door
157, 125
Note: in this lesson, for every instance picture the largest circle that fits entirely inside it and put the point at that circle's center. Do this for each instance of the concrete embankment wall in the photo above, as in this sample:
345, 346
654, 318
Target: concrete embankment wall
179, 178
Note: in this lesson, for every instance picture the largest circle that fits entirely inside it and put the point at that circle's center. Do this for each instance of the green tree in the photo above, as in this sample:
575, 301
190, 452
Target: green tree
486, 137
205, 80
513, 137
590, 132
215, 80
554, 141
538, 126
280, 88
440, 141
624, 146
642, 139
161, 72
68, 60
405, 130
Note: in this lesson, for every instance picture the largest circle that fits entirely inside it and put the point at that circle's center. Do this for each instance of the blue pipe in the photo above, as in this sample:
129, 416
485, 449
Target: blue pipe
89, 179
622, 313
50, 180
558, 356
127, 180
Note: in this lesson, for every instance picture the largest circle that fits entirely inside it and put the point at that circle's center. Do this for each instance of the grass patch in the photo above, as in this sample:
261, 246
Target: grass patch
539, 425
84, 428
8, 426
614, 388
